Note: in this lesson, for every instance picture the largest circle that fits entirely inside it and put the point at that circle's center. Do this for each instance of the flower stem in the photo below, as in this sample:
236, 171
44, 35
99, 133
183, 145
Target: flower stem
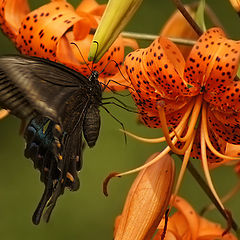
188, 17
207, 190
224, 199
151, 37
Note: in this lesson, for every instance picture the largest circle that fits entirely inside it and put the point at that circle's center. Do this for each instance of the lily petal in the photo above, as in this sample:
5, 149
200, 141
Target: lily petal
43, 27
200, 57
91, 6
187, 224
11, 16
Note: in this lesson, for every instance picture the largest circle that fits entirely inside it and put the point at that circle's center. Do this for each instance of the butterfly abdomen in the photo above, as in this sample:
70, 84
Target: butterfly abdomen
91, 125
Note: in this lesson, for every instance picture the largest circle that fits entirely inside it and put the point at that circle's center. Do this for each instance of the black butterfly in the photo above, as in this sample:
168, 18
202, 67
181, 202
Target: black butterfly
60, 105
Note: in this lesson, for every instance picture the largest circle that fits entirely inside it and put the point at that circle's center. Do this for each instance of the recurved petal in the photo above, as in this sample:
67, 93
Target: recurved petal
191, 217
202, 54
183, 224
211, 231
158, 70
222, 89
156, 75
188, 225
91, 6
12, 13
41, 29
74, 57
147, 201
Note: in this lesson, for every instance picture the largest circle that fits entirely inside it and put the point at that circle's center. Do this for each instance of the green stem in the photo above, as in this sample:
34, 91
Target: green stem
238, 233
207, 190
188, 17
151, 37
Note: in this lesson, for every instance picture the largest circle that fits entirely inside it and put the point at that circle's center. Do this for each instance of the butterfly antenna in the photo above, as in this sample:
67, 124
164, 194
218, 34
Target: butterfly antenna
120, 106
123, 105
73, 43
117, 65
120, 84
125, 136
114, 91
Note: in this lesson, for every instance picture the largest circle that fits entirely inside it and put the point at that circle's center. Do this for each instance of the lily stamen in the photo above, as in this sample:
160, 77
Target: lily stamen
175, 131
194, 118
205, 165
162, 117
147, 140
184, 165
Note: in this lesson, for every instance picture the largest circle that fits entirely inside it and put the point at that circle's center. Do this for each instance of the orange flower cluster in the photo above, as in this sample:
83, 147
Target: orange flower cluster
197, 99
146, 203
53, 30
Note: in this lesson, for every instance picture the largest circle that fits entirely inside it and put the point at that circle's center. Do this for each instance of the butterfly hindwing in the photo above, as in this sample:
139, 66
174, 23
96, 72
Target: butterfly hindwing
39, 147
69, 146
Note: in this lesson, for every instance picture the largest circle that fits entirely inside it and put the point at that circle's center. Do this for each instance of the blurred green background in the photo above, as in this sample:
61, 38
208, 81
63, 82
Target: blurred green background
87, 213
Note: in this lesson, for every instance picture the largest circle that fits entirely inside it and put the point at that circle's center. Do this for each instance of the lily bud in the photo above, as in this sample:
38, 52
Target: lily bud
236, 5
183, 29
115, 18
147, 201
3, 113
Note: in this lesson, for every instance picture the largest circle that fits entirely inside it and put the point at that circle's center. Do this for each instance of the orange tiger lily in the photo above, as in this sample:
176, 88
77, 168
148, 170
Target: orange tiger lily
48, 32
198, 99
187, 224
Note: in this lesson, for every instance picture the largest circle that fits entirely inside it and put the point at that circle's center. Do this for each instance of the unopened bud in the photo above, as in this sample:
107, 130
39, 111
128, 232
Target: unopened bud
147, 201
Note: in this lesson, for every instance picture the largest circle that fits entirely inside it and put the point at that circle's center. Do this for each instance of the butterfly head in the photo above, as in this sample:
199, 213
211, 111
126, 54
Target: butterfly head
94, 76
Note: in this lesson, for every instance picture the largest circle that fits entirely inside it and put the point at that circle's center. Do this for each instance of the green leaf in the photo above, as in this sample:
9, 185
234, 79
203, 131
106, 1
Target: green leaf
189, 85
199, 18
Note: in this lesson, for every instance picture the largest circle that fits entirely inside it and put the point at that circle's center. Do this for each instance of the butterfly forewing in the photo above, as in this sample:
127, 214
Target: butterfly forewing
42, 85
12, 98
